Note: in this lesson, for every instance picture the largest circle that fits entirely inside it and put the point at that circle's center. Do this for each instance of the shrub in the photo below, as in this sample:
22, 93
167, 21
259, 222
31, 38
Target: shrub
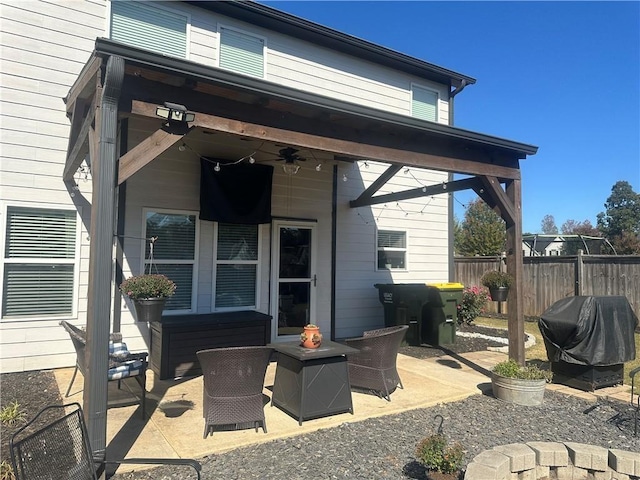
147, 286
474, 301
495, 279
6, 472
435, 454
512, 369
11, 414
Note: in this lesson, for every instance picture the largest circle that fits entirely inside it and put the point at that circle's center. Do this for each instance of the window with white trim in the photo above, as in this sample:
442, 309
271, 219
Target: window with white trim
424, 103
392, 250
236, 266
39, 263
154, 28
241, 52
173, 253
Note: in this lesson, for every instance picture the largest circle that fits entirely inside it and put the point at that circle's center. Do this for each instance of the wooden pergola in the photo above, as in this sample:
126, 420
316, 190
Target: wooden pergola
121, 82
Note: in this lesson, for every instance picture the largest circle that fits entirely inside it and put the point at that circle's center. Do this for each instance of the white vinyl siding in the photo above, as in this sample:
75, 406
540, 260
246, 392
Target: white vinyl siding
173, 253
392, 250
39, 263
236, 266
424, 103
241, 52
142, 25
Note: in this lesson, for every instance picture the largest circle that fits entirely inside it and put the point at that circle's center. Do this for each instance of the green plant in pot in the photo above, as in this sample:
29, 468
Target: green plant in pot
149, 293
519, 384
498, 284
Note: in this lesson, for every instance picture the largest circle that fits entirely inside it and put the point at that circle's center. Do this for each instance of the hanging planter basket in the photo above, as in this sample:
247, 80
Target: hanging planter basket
499, 294
149, 309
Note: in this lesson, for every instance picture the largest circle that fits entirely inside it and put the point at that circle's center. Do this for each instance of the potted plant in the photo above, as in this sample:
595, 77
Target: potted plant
498, 284
442, 460
149, 293
522, 385
311, 336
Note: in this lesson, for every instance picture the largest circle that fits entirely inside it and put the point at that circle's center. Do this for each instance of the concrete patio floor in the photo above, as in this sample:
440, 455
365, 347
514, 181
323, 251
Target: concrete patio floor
174, 424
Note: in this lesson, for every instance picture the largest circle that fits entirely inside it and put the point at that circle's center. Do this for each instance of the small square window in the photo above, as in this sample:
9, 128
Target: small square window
392, 250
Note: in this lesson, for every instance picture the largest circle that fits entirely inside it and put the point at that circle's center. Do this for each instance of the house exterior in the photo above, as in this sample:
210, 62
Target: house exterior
314, 110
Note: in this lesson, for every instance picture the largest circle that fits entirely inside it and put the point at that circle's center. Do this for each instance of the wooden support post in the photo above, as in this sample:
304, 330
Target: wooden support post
515, 267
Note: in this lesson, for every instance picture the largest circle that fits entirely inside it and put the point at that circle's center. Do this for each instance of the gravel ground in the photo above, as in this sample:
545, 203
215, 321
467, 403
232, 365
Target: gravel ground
383, 448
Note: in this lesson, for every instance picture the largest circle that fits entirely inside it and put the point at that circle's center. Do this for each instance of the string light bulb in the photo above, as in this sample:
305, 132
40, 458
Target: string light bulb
182, 147
217, 167
318, 167
252, 160
344, 177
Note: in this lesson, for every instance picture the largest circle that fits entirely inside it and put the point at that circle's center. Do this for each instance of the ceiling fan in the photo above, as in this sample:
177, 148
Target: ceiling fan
290, 157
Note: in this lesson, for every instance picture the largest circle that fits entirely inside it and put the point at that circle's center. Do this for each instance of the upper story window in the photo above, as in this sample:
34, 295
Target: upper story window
241, 52
424, 103
392, 250
236, 265
154, 28
173, 254
39, 262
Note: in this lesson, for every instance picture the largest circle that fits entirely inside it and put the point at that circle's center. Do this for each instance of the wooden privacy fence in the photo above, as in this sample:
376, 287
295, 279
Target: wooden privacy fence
548, 279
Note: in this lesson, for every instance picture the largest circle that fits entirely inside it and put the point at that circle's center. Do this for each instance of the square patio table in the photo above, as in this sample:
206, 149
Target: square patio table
312, 382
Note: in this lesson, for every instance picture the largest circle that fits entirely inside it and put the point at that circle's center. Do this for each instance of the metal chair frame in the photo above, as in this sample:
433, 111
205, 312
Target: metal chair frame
635, 403
60, 450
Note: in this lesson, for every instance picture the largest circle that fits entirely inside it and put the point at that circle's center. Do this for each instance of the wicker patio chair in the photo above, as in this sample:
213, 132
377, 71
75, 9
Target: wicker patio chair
60, 449
122, 363
233, 384
373, 368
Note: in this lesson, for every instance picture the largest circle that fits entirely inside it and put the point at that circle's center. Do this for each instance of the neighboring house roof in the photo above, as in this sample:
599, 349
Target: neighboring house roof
272, 19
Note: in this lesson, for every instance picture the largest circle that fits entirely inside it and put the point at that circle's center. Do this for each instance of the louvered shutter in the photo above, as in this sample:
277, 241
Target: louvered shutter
39, 268
142, 25
241, 52
424, 103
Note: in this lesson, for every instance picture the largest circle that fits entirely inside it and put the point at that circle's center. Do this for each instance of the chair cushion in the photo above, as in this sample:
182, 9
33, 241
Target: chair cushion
130, 368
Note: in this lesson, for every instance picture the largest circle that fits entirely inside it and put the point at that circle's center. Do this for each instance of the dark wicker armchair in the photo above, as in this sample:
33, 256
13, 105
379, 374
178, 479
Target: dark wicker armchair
122, 363
233, 384
373, 368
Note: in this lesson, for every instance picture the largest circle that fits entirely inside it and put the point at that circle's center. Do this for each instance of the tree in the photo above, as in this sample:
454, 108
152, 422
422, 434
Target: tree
572, 227
482, 231
548, 225
620, 223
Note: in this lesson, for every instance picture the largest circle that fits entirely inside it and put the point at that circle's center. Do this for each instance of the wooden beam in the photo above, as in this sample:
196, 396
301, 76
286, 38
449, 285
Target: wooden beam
147, 151
338, 146
448, 187
80, 147
365, 197
85, 86
504, 204
515, 267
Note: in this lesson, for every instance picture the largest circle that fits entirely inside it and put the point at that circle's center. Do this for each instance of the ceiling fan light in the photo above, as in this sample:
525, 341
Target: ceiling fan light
290, 168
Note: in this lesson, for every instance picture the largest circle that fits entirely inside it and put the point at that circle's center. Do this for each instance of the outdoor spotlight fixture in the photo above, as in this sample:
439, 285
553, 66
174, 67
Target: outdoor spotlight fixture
174, 112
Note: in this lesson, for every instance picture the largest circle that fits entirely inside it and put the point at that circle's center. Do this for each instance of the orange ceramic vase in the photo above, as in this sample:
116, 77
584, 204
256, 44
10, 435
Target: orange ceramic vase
311, 337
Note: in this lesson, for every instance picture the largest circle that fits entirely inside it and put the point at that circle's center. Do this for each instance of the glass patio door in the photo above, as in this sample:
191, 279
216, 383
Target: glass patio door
294, 278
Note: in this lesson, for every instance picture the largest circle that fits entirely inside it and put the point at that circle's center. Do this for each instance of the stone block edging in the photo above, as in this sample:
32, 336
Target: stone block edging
553, 460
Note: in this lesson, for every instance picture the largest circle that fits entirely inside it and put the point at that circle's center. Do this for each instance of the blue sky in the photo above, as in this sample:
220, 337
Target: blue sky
564, 76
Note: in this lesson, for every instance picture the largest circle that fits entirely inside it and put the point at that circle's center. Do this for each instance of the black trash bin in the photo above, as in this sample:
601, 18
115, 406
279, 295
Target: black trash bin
439, 323
405, 304
588, 339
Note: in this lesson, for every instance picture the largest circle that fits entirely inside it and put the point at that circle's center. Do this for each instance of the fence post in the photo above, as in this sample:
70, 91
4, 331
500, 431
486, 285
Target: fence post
579, 272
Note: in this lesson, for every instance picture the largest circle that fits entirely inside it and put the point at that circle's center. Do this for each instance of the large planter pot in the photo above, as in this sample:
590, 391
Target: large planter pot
499, 294
149, 309
520, 392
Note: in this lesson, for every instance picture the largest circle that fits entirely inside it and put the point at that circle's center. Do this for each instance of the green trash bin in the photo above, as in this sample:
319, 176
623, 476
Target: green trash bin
441, 314
405, 304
